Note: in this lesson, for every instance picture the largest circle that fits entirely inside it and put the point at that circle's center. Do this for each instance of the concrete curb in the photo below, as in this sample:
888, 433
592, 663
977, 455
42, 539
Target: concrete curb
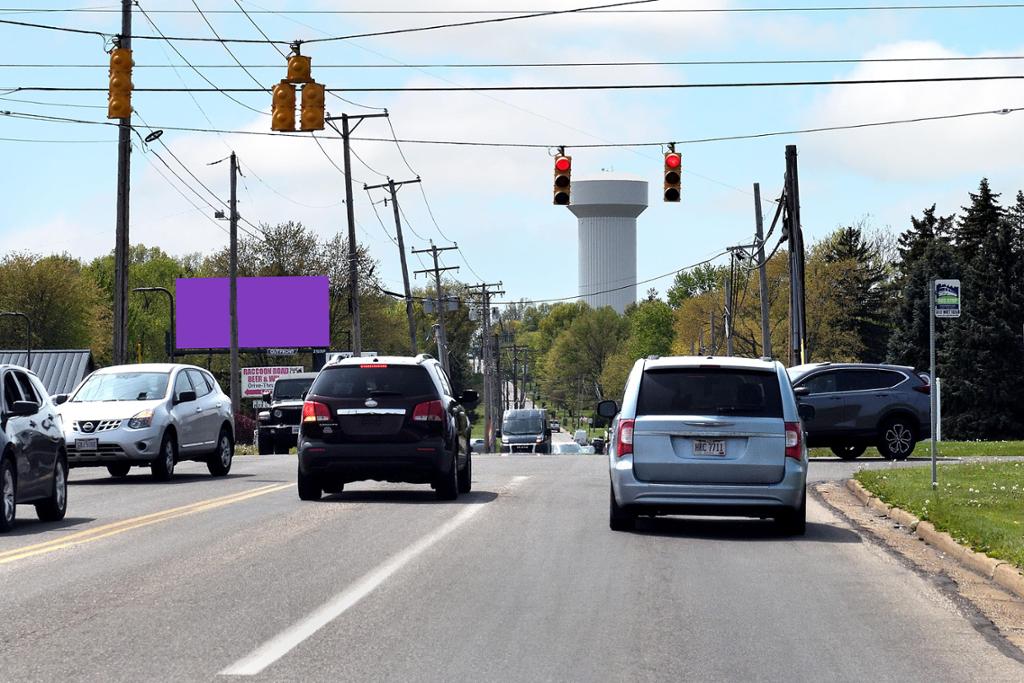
1003, 573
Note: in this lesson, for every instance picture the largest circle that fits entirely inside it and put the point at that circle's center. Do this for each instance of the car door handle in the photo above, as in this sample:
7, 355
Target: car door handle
199, 409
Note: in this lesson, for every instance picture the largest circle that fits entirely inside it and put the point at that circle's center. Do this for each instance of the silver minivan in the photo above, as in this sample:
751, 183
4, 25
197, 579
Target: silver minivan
707, 436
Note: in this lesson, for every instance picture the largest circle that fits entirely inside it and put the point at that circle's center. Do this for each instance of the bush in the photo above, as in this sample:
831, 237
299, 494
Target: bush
244, 428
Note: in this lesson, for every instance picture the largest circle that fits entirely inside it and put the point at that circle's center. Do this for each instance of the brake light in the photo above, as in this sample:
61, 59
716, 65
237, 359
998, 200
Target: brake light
793, 438
431, 411
314, 411
923, 389
625, 438
371, 366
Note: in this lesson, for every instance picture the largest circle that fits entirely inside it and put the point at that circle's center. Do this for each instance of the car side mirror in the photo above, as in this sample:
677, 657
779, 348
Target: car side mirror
802, 391
608, 409
807, 412
266, 396
59, 399
24, 408
186, 397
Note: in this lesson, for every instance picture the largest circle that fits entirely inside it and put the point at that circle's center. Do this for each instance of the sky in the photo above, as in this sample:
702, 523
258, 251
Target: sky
60, 178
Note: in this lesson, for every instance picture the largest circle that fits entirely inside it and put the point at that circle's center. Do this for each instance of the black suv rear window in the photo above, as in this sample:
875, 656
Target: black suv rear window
709, 392
353, 381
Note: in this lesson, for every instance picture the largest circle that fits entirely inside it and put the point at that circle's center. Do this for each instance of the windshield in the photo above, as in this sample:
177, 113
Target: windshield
123, 386
523, 425
291, 389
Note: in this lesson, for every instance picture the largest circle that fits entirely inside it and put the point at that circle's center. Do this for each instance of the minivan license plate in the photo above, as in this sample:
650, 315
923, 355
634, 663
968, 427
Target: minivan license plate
709, 447
86, 444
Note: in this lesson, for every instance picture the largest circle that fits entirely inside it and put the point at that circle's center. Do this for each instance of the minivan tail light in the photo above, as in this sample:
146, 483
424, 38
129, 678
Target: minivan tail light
314, 411
431, 411
625, 438
793, 438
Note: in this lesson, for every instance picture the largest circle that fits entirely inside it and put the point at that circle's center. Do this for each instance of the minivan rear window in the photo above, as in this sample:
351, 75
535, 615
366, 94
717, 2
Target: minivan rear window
708, 392
352, 381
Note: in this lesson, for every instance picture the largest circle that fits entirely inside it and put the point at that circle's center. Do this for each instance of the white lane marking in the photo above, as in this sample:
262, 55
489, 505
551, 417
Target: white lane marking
284, 642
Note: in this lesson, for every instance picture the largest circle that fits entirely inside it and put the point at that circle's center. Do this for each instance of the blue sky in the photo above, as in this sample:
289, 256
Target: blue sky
496, 202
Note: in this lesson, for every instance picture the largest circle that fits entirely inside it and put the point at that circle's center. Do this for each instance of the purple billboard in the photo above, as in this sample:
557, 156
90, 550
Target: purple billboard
273, 312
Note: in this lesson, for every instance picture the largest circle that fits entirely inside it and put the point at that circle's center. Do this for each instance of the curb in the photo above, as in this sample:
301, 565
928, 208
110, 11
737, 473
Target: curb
1002, 573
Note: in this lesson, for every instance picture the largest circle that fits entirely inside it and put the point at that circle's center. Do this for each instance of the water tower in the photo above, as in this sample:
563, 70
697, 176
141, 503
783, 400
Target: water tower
607, 210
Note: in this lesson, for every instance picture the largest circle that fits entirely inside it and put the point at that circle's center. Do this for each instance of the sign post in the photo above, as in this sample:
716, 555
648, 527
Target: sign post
944, 302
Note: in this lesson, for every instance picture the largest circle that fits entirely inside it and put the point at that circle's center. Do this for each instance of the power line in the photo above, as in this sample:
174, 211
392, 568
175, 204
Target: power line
225, 45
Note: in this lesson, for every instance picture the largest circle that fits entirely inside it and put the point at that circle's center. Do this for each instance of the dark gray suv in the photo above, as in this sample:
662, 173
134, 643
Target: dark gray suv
859, 405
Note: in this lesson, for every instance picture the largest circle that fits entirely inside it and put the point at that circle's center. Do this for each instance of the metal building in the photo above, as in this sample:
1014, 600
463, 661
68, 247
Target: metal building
607, 210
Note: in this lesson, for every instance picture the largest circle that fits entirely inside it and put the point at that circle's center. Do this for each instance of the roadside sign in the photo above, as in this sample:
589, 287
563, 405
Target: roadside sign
282, 352
947, 298
257, 380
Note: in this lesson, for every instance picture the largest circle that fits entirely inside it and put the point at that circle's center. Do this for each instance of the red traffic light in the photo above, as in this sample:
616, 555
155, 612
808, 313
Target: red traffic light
673, 160
563, 164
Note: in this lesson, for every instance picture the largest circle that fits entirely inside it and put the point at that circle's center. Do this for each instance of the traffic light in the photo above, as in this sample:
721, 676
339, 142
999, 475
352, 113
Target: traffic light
119, 101
673, 176
300, 69
563, 177
282, 114
312, 116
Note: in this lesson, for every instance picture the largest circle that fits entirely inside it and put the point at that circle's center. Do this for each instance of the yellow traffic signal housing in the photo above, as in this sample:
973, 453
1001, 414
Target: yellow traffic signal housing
119, 100
563, 179
312, 116
673, 176
300, 69
282, 113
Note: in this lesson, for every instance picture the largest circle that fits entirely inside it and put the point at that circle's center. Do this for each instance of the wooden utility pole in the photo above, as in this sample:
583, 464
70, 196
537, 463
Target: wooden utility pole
797, 316
121, 238
236, 372
487, 290
442, 338
409, 312
727, 319
762, 274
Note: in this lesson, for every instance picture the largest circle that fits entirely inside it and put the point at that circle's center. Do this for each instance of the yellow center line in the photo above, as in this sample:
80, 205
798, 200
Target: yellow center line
107, 530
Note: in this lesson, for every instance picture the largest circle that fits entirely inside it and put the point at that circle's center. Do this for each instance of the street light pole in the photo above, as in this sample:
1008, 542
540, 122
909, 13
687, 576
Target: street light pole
171, 343
28, 332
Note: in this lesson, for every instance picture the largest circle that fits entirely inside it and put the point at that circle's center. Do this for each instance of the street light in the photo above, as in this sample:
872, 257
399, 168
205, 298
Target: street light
28, 333
170, 334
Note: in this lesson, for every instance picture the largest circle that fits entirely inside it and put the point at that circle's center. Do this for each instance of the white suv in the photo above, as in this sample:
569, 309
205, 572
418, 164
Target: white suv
148, 415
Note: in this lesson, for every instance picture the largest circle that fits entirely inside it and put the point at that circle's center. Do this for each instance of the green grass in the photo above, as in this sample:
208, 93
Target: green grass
979, 504
948, 449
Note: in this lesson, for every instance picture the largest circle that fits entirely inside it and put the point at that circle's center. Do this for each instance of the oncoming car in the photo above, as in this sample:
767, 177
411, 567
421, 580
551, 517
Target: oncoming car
707, 436
149, 415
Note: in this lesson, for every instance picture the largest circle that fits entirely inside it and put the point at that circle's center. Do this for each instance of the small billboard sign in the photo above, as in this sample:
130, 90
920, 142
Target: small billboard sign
947, 298
255, 381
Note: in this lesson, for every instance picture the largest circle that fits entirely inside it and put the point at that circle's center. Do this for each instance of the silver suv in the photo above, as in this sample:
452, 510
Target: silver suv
707, 436
859, 405
148, 415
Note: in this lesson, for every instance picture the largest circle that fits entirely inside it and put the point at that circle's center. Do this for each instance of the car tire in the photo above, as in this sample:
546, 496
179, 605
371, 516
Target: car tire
619, 519
848, 452
897, 439
162, 468
219, 462
119, 470
280, 447
448, 483
309, 487
793, 522
466, 475
55, 507
8, 494
264, 445
334, 489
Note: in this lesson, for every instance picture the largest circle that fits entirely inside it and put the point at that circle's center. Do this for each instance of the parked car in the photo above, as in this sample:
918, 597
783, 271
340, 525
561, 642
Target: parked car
581, 437
279, 423
33, 461
569, 448
525, 431
392, 418
859, 405
149, 415
707, 436
478, 446
556, 426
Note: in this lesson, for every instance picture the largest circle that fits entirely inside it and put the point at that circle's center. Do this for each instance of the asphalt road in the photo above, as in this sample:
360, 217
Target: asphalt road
521, 580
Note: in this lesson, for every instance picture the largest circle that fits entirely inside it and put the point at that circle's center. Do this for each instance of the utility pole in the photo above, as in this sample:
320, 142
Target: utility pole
442, 337
797, 318
714, 340
236, 376
121, 239
728, 305
487, 290
410, 314
353, 254
762, 273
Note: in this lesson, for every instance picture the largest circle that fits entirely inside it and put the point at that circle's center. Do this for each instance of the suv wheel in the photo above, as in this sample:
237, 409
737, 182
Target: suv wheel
793, 522
264, 444
309, 487
219, 462
896, 439
466, 475
8, 494
619, 519
163, 466
448, 483
848, 452
119, 470
56, 505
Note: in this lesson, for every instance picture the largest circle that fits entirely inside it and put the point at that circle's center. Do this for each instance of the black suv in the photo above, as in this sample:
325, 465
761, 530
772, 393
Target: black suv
389, 419
858, 405
279, 423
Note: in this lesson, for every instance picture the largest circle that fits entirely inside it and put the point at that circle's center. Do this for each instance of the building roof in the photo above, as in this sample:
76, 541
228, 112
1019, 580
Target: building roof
59, 371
